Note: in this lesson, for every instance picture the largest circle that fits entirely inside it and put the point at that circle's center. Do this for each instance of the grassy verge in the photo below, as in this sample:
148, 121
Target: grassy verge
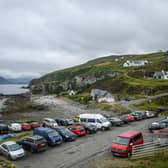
5, 163
155, 104
112, 162
17, 137
113, 107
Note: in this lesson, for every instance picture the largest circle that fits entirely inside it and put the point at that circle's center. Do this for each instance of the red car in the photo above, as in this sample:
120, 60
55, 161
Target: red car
162, 131
130, 117
78, 130
26, 126
122, 146
35, 125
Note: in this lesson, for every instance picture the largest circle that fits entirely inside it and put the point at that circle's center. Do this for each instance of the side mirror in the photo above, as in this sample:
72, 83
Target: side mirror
131, 144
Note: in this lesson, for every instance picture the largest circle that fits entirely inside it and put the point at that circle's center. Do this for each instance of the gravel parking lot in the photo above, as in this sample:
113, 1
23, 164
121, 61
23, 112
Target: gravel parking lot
77, 154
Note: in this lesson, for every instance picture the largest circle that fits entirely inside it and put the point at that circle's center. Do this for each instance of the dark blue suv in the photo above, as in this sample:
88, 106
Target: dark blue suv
51, 136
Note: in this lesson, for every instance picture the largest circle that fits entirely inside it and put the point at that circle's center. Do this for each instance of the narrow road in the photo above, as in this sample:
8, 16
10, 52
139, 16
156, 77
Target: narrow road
77, 154
127, 104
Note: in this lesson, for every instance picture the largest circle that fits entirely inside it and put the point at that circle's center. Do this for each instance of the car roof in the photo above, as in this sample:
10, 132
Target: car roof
48, 119
129, 134
77, 126
9, 143
35, 137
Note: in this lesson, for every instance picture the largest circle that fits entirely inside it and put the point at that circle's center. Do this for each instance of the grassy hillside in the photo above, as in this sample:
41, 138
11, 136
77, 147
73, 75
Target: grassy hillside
130, 81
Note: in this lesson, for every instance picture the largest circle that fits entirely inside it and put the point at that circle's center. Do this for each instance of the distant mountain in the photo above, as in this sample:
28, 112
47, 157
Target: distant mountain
19, 80
14, 80
4, 81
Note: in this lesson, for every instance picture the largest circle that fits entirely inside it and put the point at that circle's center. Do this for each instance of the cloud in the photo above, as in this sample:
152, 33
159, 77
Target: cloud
37, 37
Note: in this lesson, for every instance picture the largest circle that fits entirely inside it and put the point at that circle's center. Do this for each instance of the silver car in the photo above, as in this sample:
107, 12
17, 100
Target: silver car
12, 150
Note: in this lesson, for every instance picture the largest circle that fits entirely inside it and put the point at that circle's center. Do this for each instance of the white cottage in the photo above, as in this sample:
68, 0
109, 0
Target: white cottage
161, 75
135, 63
102, 95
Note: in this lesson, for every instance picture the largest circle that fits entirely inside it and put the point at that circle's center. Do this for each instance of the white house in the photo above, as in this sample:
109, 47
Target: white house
161, 75
102, 95
71, 92
135, 63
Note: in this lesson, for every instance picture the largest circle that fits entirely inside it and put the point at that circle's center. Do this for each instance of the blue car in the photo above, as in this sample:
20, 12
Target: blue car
51, 136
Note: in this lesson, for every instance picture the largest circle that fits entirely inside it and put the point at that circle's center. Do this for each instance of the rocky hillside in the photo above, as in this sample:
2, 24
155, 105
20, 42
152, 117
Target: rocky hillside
108, 73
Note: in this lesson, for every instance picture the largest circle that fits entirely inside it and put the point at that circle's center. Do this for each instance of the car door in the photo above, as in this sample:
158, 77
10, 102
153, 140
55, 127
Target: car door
138, 139
4, 150
29, 143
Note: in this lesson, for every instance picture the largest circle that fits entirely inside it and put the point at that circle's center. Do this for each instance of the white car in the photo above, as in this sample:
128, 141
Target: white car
96, 119
15, 127
49, 122
12, 150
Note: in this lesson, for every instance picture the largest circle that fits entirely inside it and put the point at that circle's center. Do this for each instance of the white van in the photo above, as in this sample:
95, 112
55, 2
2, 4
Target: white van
96, 119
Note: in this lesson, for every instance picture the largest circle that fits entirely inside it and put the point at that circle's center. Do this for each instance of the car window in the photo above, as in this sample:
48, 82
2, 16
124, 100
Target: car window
83, 119
30, 140
91, 120
4, 146
138, 137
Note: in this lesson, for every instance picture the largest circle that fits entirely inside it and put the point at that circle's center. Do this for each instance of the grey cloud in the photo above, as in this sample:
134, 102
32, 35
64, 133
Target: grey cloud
41, 36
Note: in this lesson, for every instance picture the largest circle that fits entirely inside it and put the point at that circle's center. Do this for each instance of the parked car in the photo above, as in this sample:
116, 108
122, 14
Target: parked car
12, 150
34, 143
137, 116
51, 136
129, 117
15, 127
96, 119
122, 146
49, 122
64, 122
4, 129
115, 121
26, 126
35, 124
78, 130
124, 119
151, 114
89, 127
158, 125
142, 113
162, 131
66, 134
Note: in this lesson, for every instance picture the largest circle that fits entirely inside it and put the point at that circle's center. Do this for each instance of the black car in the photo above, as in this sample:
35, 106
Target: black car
115, 121
33, 143
66, 134
158, 125
90, 128
124, 119
137, 115
4, 129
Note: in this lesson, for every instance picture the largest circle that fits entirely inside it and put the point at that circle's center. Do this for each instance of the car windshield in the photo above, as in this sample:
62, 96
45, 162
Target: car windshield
103, 120
122, 141
53, 133
52, 121
64, 131
14, 147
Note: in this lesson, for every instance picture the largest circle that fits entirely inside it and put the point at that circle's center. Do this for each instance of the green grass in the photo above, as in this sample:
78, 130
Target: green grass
155, 104
17, 137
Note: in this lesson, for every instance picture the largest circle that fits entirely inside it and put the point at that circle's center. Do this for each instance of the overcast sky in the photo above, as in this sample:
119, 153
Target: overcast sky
39, 36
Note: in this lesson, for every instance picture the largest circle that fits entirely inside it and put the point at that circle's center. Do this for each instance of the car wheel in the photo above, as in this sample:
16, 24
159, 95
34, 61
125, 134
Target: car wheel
9, 157
103, 128
31, 150
129, 154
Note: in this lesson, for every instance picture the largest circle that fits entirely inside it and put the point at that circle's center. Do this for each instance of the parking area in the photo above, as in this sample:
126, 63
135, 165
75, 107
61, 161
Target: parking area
77, 153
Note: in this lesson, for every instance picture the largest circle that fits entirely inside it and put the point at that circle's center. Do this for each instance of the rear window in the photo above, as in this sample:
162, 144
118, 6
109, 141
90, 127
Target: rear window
81, 129
38, 141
